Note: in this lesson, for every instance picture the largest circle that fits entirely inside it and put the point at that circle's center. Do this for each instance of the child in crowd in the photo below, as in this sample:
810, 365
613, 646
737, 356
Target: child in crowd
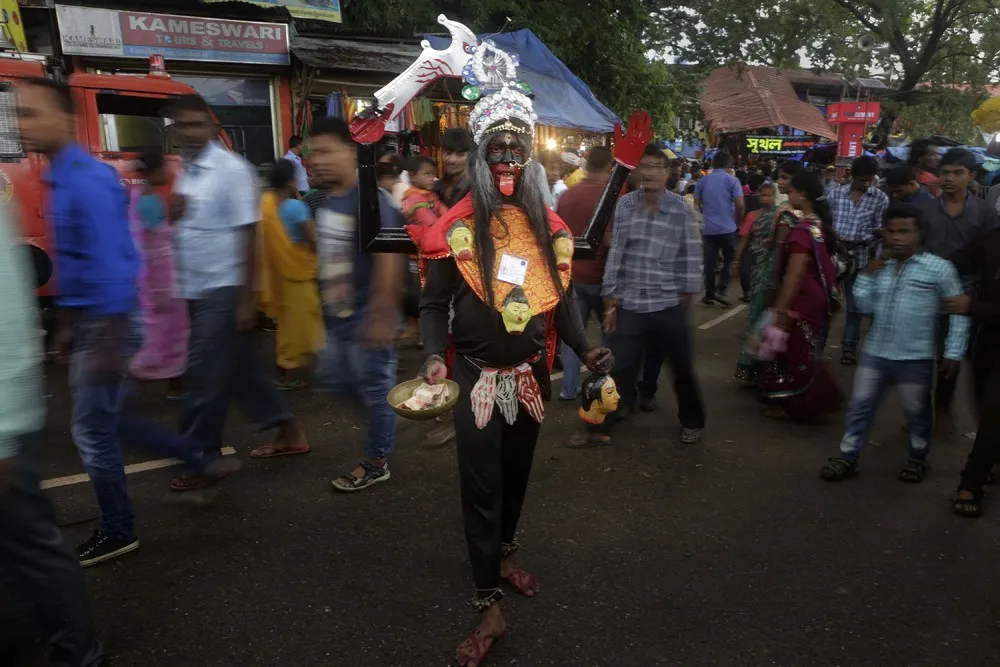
421, 208
421, 205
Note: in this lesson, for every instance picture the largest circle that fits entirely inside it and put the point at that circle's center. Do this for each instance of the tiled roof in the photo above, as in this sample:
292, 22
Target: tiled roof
752, 98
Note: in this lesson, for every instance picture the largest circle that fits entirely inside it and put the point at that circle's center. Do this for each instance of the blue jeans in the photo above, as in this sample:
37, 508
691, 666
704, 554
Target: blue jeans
224, 364
852, 318
346, 367
101, 348
914, 380
99, 385
712, 244
588, 300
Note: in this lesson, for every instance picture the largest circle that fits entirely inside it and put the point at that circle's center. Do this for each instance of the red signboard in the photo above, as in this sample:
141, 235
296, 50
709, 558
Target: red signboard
851, 140
853, 112
202, 34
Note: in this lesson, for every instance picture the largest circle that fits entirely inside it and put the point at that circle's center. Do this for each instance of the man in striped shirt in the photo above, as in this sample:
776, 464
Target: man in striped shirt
652, 272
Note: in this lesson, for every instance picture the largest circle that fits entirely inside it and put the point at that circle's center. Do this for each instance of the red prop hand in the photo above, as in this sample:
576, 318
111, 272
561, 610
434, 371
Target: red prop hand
369, 125
629, 148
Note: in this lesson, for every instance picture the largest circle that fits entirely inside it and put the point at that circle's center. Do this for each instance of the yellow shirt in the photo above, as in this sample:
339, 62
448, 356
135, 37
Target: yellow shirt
574, 178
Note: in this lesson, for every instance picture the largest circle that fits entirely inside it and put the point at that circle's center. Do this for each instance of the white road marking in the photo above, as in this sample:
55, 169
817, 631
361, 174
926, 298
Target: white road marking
722, 318
129, 469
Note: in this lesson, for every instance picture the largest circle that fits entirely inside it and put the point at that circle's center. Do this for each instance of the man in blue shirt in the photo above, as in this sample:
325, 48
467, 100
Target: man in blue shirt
97, 264
720, 199
902, 290
294, 155
903, 187
362, 300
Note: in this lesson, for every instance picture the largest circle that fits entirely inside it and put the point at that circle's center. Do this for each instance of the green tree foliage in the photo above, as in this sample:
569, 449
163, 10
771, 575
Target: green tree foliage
943, 111
916, 42
603, 43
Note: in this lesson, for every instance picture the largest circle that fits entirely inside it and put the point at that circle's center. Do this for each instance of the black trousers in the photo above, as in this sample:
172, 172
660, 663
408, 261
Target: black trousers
40, 570
493, 467
945, 388
665, 334
986, 377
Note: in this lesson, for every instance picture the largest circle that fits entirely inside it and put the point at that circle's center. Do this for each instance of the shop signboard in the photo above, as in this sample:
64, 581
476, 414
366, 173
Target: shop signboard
775, 145
852, 120
853, 112
851, 140
318, 10
86, 31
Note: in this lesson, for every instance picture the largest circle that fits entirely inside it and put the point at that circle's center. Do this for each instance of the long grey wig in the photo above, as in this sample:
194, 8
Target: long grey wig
487, 201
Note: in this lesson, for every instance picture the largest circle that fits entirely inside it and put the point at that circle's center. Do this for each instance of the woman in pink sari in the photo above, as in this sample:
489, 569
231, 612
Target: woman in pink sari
165, 320
798, 383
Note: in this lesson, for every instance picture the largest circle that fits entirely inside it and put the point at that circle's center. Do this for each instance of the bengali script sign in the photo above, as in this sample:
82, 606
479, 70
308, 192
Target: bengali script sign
773, 145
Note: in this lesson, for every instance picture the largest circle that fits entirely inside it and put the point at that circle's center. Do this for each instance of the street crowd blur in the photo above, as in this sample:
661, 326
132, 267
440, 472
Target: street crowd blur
179, 279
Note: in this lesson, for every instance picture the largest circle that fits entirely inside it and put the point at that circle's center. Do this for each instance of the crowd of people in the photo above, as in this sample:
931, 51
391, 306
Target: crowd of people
173, 282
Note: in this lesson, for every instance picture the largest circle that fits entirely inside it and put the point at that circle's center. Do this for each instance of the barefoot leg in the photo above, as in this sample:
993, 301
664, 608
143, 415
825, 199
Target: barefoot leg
492, 627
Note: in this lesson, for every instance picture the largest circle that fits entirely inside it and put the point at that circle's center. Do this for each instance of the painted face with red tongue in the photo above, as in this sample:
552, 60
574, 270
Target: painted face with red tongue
506, 156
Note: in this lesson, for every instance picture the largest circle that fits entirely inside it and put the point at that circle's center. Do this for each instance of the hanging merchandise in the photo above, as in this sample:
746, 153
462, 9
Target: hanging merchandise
334, 105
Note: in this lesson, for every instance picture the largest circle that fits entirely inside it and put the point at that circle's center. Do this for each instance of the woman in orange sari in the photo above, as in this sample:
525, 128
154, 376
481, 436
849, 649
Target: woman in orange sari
288, 291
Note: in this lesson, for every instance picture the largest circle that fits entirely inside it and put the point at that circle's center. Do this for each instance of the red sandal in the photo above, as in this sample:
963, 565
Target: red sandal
473, 651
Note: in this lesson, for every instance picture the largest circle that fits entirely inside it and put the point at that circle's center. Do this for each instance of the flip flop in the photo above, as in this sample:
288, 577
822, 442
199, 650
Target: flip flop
272, 451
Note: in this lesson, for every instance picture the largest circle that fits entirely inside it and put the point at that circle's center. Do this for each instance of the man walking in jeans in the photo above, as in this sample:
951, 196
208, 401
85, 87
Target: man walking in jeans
903, 290
37, 567
217, 205
720, 199
858, 211
652, 272
362, 301
576, 206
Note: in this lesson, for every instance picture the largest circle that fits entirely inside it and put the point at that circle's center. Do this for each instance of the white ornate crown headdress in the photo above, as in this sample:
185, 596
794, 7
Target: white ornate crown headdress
491, 77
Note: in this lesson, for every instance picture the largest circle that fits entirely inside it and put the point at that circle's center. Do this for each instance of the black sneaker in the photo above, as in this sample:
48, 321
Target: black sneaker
374, 474
723, 301
100, 548
647, 404
708, 301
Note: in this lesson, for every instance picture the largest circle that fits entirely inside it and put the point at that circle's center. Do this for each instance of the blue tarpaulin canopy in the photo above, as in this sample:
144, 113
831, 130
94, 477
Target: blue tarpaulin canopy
561, 98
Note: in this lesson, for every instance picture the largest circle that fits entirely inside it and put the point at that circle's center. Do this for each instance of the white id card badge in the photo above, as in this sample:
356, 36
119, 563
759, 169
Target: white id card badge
512, 270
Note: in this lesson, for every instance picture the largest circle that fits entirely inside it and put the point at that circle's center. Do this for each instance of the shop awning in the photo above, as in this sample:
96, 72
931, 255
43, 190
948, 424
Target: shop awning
561, 98
358, 55
749, 98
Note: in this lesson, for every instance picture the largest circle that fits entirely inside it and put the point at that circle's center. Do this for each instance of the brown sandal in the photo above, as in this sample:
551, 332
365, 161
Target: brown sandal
273, 450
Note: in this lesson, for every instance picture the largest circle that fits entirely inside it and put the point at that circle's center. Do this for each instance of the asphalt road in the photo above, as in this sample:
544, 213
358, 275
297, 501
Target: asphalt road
730, 552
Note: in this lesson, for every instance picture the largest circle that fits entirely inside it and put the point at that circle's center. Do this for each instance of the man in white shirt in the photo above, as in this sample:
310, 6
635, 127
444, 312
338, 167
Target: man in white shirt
216, 241
294, 155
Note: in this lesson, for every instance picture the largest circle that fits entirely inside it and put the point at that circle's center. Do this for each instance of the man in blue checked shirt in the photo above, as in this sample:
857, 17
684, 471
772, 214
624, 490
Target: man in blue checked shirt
902, 290
858, 211
652, 272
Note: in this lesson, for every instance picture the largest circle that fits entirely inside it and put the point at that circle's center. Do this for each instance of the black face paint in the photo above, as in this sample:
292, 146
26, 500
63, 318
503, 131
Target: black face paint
507, 148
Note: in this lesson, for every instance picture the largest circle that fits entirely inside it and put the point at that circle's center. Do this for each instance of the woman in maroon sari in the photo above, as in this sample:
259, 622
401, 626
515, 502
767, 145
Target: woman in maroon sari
798, 383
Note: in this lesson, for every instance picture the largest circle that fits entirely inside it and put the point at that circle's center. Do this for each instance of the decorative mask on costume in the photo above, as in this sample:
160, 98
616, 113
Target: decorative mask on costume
562, 244
516, 311
460, 241
507, 153
600, 398
504, 116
